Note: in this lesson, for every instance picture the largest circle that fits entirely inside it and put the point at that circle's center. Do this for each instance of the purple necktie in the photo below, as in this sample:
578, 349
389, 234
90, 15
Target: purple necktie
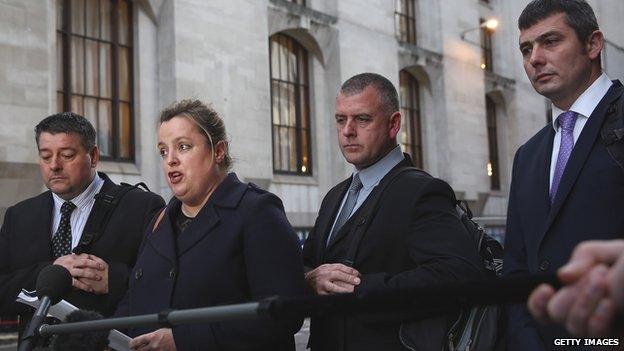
566, 123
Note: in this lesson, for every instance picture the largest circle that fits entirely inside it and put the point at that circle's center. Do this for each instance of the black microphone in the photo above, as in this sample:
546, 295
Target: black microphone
87, 341
53, 282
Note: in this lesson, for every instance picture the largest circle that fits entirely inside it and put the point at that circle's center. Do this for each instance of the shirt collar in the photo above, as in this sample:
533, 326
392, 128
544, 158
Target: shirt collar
371, 175
83, 198
587, 102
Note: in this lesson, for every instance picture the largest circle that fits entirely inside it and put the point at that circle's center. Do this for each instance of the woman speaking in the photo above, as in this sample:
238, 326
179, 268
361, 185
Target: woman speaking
219, 241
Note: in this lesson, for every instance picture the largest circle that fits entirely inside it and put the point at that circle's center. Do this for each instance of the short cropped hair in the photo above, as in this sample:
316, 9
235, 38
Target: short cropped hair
579, 15
205, 117
388, 95
70, 123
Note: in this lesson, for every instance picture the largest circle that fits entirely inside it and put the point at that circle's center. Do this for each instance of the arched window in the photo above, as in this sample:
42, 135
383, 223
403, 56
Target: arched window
290, 111
493, 170
411, 133
94, 69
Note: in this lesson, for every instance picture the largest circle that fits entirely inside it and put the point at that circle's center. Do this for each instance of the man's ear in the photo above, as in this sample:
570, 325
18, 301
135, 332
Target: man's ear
395, 124
595, 44
95, 156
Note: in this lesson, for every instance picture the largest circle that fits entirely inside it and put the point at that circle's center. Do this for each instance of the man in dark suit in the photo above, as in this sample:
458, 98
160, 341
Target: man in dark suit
48, 228
415, 238
565, 187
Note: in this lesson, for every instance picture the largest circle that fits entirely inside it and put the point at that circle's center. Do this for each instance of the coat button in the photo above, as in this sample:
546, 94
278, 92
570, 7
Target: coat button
544, 265
172, 273
138, 274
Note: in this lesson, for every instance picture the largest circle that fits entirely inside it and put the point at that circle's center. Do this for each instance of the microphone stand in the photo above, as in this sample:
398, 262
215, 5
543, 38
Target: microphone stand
30, 336
399, 305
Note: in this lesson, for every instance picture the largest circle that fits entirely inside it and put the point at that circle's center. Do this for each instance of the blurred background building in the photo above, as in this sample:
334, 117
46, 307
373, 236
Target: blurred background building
272, 68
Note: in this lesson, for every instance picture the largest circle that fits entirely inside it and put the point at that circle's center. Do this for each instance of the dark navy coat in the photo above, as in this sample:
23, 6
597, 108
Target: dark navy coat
240, 247
540, 238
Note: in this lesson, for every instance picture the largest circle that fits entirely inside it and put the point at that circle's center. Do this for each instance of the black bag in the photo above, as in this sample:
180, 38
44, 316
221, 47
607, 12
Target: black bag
479, 328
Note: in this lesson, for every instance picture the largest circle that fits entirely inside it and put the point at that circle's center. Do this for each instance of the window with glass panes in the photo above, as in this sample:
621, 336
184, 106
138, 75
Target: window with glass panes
405, 21
290, 111
411, 134
299, 2
493, 170
94, 69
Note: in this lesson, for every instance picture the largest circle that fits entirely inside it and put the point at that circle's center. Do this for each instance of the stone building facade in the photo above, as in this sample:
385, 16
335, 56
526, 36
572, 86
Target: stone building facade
470, 104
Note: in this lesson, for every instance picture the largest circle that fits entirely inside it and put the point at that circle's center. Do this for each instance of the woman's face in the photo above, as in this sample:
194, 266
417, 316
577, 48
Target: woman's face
187, 159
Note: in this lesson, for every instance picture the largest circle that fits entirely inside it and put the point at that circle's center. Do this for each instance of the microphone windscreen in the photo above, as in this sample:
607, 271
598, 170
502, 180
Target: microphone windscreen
87, 341
54, 281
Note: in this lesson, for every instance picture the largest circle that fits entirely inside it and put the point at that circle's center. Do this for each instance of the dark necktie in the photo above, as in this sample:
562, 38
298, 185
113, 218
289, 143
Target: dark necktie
61, 242
566, 123
349, 204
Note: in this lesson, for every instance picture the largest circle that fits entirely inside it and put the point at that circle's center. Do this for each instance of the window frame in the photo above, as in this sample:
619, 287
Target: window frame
411, 34
66, 33
493, 149
487, 57
413, 109
299, 128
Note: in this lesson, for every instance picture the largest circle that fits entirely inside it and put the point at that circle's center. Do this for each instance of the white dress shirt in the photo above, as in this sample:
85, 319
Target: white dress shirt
84, 203
584, 106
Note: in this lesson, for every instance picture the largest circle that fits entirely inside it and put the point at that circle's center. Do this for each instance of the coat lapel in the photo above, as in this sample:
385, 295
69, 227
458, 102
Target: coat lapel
581, 151
325, 226
43, 224
162, 239
348, 226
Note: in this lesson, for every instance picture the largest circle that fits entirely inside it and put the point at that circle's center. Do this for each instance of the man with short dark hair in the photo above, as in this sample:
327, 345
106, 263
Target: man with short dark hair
565, 187
61, 226
414, 238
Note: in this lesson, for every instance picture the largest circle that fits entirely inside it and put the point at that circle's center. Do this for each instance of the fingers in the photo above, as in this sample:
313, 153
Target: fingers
329, 287
76, 283
85, 273
588, 254
538, 302
139, 341
616, 283
333, 278
601, 321
588, 298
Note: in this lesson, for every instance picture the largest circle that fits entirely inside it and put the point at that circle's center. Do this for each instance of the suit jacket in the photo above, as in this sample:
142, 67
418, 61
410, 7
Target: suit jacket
25, 248
540, 238
240, 247
414, 239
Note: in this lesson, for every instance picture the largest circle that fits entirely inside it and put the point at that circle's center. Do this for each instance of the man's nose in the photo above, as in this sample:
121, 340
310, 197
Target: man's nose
537, 56
348, 129
56, 163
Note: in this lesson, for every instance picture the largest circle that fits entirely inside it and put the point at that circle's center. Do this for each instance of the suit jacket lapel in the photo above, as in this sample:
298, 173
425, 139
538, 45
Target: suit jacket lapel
43, 222
406, 162
581, 150
325, 226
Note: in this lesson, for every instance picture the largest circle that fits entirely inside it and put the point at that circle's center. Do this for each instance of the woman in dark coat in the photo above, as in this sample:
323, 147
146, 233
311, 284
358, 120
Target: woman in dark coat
219, 241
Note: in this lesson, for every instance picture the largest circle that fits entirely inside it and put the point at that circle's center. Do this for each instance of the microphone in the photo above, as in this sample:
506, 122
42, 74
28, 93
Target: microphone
87, 341
53, 282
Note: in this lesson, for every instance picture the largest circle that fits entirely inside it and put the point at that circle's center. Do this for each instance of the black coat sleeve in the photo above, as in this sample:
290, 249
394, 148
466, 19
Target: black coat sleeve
13, 279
